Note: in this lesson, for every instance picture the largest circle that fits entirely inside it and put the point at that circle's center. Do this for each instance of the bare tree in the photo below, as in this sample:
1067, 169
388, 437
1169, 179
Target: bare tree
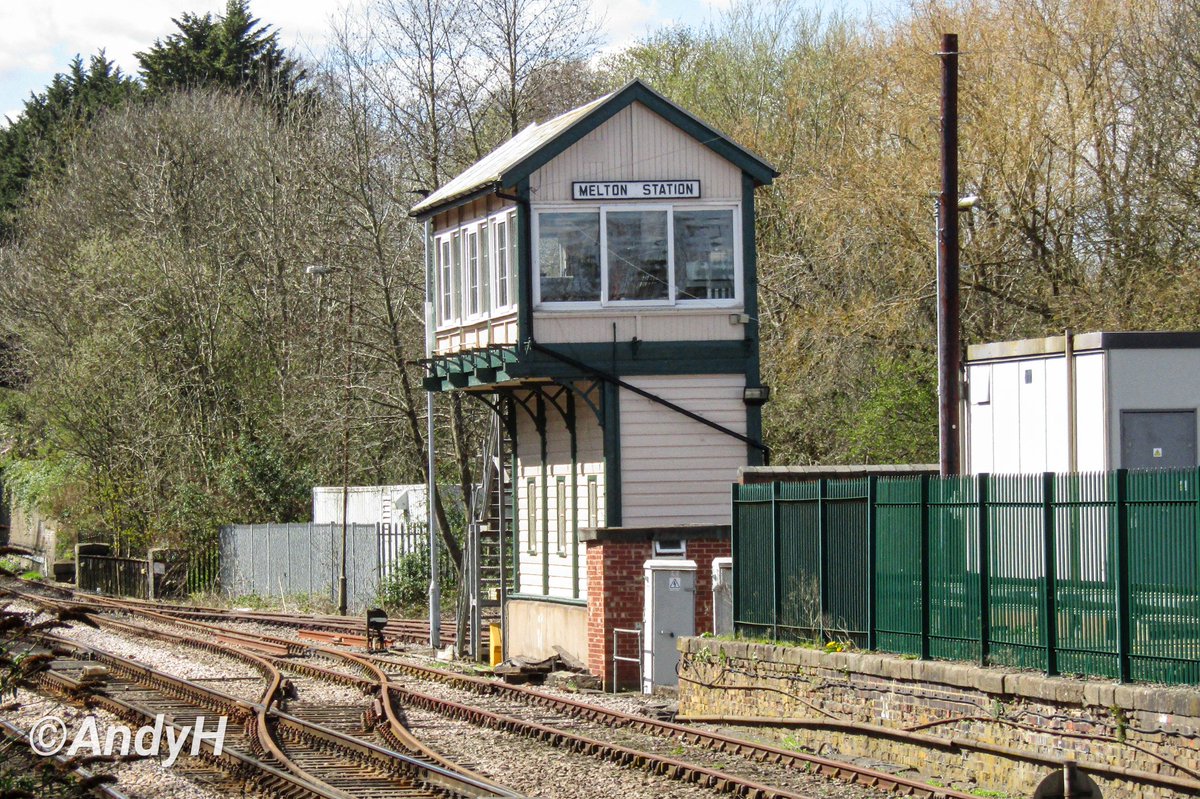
520, 41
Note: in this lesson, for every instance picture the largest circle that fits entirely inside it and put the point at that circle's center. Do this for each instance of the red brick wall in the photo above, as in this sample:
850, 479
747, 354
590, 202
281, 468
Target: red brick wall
703, 552
616, 598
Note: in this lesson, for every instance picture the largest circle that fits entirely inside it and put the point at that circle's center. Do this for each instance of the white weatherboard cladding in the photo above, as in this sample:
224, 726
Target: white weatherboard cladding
1018, 415
668, 324
589, 462
636, 144
675, 470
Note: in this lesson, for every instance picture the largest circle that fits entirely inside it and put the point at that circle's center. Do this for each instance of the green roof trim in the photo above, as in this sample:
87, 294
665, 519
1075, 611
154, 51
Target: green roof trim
636, 91
537, 145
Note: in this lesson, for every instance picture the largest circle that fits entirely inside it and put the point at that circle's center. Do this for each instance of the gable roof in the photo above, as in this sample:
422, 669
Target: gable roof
537, 145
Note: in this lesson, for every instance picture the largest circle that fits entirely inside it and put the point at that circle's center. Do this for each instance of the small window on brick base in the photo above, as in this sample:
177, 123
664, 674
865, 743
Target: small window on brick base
670, 548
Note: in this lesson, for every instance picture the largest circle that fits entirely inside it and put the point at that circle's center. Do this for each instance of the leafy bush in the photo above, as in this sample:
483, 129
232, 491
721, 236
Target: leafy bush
406, 588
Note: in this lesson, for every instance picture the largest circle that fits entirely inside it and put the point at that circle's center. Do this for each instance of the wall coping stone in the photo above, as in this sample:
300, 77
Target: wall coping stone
1171, 700
683, 532
748, 475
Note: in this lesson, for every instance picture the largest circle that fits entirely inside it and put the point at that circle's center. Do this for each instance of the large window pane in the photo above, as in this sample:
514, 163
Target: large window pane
637, 255
446, 282
569, 256
704, 255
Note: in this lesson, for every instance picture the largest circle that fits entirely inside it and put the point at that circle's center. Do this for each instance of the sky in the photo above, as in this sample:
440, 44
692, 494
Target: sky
38, 38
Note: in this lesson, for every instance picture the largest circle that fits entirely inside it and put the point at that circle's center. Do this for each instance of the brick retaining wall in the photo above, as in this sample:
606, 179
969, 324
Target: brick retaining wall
978, 728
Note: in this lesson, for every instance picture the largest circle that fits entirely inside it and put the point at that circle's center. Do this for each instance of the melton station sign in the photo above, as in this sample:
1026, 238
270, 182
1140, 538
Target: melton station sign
636, 190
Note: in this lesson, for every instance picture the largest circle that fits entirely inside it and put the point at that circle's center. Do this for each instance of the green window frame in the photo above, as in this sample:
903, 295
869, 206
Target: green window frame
561, 505
531, 515
593, 502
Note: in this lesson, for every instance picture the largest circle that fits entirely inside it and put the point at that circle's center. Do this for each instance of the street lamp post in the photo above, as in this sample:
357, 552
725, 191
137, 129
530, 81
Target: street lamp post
435, 594
320, 270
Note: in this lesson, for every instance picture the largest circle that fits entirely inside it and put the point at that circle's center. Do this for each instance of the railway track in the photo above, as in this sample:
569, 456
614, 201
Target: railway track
410, 631
274, 750
633, 740
14, 743
716, 761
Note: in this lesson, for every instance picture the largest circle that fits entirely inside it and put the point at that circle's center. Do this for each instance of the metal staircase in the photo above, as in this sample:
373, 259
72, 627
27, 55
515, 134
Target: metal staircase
490, 536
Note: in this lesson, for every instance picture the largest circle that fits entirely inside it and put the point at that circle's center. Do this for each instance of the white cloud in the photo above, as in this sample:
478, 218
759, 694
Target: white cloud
39, 38
625, 21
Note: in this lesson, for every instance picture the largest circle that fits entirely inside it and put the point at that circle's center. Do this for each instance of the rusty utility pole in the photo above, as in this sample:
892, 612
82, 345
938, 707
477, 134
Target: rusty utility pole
948, 322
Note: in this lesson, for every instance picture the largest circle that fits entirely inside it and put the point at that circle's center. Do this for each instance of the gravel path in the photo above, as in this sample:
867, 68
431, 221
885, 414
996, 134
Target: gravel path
541, 770
770, 774
221, 673
229, 675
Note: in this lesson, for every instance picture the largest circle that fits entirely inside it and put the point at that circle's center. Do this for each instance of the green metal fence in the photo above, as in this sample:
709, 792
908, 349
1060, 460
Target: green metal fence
1091, 574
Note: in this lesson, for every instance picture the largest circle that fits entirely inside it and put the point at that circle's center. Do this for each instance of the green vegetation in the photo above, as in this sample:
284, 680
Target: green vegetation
406, 588
232, 52
167, 365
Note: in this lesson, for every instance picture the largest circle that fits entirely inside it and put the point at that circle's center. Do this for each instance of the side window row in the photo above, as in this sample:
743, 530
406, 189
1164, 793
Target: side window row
474, 269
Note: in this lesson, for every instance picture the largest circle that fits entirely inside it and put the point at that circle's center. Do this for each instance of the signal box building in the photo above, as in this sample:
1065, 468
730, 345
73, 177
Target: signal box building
592, 281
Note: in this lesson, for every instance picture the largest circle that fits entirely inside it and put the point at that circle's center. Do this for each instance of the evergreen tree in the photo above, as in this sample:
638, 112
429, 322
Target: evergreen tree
233, 52
39, 139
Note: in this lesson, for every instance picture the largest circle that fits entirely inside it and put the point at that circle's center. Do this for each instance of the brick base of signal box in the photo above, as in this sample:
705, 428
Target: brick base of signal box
616, 587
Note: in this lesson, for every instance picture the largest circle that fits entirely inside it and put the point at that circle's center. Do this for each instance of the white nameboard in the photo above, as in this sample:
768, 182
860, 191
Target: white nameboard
636, 190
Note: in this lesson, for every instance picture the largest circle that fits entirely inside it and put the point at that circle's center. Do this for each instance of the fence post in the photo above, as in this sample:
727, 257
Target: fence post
734, 527
776, 566
982, 484
925, 613
1124, 611
872, 542
1049, 547
822, 553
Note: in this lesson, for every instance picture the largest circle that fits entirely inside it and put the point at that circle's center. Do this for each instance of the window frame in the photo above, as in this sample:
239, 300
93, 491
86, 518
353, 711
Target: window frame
472, 273
445, 280
453, 269
673, 301
561, 507
532, 503
593, 501
535, 271
456, 275
670, 265
503, 222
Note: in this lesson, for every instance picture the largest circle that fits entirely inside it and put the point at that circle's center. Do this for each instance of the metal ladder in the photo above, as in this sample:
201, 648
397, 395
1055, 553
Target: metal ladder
490, 546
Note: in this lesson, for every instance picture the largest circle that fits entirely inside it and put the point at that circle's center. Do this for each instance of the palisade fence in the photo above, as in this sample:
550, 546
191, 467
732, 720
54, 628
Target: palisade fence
285, 560
1090, 574
163, 573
